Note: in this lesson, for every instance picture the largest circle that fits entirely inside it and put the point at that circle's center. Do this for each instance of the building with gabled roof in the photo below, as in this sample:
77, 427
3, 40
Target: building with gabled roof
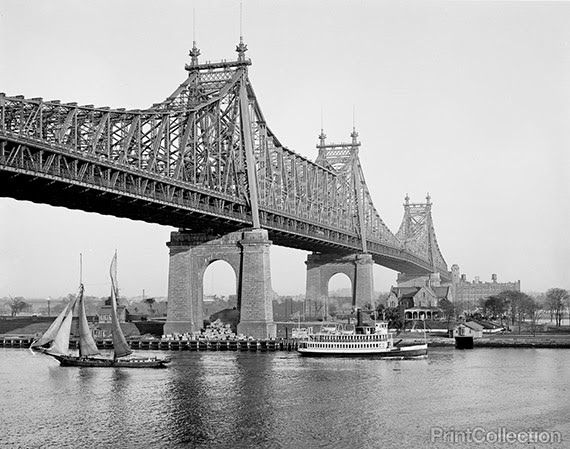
420, 302
468, 329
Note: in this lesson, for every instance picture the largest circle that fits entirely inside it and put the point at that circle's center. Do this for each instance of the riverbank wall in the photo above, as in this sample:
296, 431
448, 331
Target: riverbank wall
511, 341
171, 344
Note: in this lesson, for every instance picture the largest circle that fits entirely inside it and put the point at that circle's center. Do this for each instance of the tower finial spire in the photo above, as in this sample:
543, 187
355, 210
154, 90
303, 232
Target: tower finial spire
354, 134
241, 47
322, 135
195, 52
322, 138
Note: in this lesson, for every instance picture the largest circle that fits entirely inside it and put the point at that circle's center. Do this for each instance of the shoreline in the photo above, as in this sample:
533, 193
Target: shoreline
549, 341
515, 341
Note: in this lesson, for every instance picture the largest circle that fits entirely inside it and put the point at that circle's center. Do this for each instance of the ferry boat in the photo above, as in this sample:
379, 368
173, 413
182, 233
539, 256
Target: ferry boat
362, 340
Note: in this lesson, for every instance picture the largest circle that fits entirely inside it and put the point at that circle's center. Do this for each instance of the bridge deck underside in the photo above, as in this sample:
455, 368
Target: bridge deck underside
23, 183
71, 196
60, 194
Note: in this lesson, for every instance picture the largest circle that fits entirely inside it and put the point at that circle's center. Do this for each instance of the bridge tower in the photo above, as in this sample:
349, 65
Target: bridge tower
247, 251
343, 160
417, 231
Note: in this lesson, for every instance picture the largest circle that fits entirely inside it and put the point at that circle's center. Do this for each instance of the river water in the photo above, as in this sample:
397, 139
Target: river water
474, 398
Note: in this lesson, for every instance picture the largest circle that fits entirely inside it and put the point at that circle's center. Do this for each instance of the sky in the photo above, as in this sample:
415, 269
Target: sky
466, 101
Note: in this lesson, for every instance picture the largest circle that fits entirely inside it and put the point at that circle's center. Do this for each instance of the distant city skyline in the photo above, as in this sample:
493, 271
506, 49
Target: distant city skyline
466, 101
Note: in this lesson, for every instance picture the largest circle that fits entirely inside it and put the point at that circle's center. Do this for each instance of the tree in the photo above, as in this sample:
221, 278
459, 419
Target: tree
394, 317
482, 307
150, 302
4, 307
379, 311
534, 312
556, 301
17, 305
449, 309
496, 305
516, 304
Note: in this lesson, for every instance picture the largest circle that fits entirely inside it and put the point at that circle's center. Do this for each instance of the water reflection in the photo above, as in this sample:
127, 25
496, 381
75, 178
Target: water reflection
218, 399
186, 403
267, 400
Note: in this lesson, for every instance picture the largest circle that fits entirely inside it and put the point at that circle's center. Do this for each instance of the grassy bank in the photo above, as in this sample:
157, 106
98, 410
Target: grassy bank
549, 338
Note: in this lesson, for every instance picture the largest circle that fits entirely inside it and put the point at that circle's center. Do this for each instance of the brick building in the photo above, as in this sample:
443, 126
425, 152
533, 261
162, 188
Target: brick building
469, 293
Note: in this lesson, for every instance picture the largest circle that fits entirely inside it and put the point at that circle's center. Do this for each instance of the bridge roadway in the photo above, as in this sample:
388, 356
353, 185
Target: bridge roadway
22, 179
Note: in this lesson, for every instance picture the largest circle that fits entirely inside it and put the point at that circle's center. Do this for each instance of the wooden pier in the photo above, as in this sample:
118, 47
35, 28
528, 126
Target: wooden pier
172, 344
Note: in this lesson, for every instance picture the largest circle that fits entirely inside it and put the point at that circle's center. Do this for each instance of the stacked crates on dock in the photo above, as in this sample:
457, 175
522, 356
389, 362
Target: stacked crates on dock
218, 331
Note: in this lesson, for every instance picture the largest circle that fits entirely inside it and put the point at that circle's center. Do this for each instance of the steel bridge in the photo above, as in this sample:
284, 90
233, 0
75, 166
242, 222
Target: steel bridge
205, 159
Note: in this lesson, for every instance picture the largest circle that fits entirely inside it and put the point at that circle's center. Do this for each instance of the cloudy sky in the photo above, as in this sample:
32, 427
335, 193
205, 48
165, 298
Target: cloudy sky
469, 101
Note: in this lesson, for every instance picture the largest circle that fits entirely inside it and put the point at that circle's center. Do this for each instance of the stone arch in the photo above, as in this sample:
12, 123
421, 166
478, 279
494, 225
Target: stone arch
320, 269
334, 278
247, 252
340, 274
208, 262
219, 277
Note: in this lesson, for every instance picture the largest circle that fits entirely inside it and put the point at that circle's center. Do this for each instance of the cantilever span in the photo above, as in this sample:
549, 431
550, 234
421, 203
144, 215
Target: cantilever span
204, 158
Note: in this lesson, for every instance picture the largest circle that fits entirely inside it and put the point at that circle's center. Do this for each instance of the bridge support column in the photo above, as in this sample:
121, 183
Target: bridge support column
364, 289
247, 252
185, 289
320, 269
256, 311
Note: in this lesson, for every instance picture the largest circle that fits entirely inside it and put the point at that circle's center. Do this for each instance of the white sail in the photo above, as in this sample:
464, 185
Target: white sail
50, 334
87, 345
60, 343
121, 347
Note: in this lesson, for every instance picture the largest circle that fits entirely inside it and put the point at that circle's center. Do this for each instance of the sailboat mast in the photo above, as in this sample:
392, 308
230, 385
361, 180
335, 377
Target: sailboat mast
121, 347
115, 279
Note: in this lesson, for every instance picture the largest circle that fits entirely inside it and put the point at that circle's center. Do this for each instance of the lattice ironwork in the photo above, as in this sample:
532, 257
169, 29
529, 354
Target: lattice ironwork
418, 234
343, 160
204, 157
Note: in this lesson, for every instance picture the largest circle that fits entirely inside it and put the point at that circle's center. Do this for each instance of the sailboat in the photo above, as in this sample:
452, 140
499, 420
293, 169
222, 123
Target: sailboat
55, 341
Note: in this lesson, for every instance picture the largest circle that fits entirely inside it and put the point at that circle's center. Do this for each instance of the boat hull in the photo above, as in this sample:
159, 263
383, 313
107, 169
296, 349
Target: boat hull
403, 352
94, 362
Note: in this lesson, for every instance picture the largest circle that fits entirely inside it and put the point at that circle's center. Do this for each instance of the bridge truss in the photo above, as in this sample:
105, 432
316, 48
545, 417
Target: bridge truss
203, 159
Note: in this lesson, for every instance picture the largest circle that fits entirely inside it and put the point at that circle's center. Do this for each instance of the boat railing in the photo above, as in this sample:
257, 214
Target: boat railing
336, 329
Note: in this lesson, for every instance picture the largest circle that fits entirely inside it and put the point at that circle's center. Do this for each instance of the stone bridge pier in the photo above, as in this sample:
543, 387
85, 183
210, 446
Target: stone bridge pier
320, 269
247, 252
